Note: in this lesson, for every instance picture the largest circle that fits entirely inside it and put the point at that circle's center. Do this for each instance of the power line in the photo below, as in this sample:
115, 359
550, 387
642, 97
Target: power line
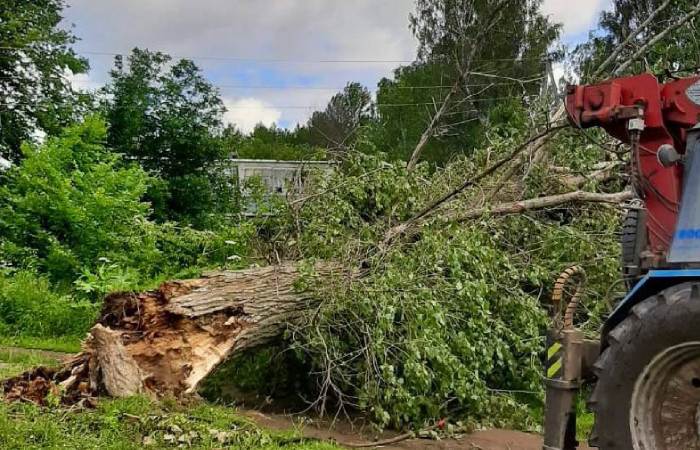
320, 88
279, 60
340, 88
315, 107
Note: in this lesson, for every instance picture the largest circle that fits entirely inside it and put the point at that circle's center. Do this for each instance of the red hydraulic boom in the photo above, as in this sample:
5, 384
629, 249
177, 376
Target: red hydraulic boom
653, 118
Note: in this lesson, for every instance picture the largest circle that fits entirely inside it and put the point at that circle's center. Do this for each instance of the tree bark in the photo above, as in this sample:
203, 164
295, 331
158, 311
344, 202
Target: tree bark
166, 341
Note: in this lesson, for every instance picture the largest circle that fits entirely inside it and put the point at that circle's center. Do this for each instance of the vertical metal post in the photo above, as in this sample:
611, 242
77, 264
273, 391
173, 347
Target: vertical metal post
563, 380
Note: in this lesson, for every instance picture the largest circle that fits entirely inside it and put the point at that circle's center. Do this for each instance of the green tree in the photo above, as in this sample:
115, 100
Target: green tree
74, 210
276, 143
678, 51
335, 127
35, 56
401, 127
69, 203
501, 37
168, 117
460, 41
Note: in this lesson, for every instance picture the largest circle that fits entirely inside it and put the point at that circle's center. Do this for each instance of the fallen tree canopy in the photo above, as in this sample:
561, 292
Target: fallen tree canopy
166, 341
446, 320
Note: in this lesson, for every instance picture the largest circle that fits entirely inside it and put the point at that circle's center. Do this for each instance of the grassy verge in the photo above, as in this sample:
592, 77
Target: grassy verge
135, 423
14, 363
584, 418
132, 423
67, 344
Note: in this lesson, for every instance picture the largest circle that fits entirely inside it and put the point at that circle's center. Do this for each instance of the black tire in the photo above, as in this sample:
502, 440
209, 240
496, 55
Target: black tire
632, 233
654, 328
628, 239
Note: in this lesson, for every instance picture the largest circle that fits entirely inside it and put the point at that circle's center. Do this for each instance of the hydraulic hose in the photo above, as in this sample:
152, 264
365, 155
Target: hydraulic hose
572, 274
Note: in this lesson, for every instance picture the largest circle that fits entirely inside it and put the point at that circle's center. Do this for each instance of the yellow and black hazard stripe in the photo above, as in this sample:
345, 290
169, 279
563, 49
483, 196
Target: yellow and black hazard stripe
554, 360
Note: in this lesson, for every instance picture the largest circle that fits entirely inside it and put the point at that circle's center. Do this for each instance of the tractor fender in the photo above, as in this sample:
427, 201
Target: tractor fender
652, 283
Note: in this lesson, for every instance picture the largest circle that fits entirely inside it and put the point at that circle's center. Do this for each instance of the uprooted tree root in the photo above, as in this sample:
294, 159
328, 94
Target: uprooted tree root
166, 341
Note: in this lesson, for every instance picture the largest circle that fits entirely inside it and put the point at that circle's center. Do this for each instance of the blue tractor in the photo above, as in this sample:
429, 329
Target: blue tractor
645, 369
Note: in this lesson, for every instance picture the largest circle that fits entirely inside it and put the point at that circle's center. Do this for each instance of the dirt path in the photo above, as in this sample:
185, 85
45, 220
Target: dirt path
344, 432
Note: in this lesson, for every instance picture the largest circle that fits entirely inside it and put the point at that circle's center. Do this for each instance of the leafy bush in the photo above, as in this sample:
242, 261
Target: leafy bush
73, 210
29, 306
74, 227
68, 204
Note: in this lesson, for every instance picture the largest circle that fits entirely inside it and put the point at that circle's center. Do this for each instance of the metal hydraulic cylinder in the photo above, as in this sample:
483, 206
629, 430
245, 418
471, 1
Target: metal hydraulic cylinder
563, 372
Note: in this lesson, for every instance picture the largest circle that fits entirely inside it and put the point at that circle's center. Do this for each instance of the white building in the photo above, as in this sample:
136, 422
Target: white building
277, 177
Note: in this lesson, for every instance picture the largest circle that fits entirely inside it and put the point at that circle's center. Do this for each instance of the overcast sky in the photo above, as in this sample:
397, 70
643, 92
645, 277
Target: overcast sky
275, 60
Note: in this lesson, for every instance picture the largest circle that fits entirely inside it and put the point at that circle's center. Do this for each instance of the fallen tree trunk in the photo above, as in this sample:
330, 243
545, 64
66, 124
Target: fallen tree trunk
166, 341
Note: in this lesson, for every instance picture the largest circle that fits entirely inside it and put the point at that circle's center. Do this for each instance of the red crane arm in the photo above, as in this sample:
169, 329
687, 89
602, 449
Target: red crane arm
668, 111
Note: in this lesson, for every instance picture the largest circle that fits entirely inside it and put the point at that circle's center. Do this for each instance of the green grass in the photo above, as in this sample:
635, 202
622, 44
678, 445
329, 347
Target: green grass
132, 423
65, 344
584, 418
13, 362
135, 423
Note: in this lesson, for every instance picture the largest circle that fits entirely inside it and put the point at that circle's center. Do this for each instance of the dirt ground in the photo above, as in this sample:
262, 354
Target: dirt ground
345, 433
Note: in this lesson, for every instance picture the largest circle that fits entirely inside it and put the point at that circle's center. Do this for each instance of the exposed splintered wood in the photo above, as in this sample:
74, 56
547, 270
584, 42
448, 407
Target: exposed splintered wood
166, 341
121, 374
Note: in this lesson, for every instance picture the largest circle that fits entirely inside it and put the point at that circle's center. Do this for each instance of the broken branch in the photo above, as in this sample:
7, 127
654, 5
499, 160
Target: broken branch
401, 228
540, 203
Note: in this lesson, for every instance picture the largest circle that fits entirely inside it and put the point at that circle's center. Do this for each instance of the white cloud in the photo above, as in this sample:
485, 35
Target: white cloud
246, 113
577, 16
83, 82
306, 31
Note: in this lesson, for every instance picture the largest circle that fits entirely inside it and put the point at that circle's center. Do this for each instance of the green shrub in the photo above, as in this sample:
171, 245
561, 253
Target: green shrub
29, 307
73, 210
69, 203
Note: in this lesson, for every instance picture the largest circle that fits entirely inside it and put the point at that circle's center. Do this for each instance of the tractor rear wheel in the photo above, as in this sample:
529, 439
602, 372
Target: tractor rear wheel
647, 396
